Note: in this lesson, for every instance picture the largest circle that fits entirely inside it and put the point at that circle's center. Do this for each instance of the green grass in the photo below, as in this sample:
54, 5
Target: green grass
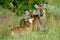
7, 17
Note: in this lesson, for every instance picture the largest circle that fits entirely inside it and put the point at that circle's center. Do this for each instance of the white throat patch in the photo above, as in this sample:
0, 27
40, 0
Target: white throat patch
31, 20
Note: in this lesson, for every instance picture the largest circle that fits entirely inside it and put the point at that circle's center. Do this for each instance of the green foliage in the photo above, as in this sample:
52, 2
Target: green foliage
22, 4
53, 31
8, 17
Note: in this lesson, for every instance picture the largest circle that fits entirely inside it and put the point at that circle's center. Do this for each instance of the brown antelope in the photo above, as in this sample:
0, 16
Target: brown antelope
19, 31
43, 18
36, 20
26, 27
26, 22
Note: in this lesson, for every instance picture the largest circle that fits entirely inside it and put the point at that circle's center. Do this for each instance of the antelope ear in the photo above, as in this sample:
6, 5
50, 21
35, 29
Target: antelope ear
27, 12
34, 11
36, 6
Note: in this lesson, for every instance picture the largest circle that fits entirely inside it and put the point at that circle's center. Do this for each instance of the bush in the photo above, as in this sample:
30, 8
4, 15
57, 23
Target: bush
22, 5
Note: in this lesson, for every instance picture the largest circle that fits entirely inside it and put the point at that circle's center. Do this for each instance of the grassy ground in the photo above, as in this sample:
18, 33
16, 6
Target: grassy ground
9, 18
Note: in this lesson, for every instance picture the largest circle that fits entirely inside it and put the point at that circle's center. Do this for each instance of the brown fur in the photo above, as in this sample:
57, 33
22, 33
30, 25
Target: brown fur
43, 19
25, 26
24, 23
19, 31
36, 22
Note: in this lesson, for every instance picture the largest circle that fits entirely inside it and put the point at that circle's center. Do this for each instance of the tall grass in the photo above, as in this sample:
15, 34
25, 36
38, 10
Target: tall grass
53, 31
7, 17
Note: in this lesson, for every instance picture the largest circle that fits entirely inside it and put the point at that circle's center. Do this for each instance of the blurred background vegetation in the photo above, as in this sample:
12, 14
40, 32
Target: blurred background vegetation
21, 5
10, 15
